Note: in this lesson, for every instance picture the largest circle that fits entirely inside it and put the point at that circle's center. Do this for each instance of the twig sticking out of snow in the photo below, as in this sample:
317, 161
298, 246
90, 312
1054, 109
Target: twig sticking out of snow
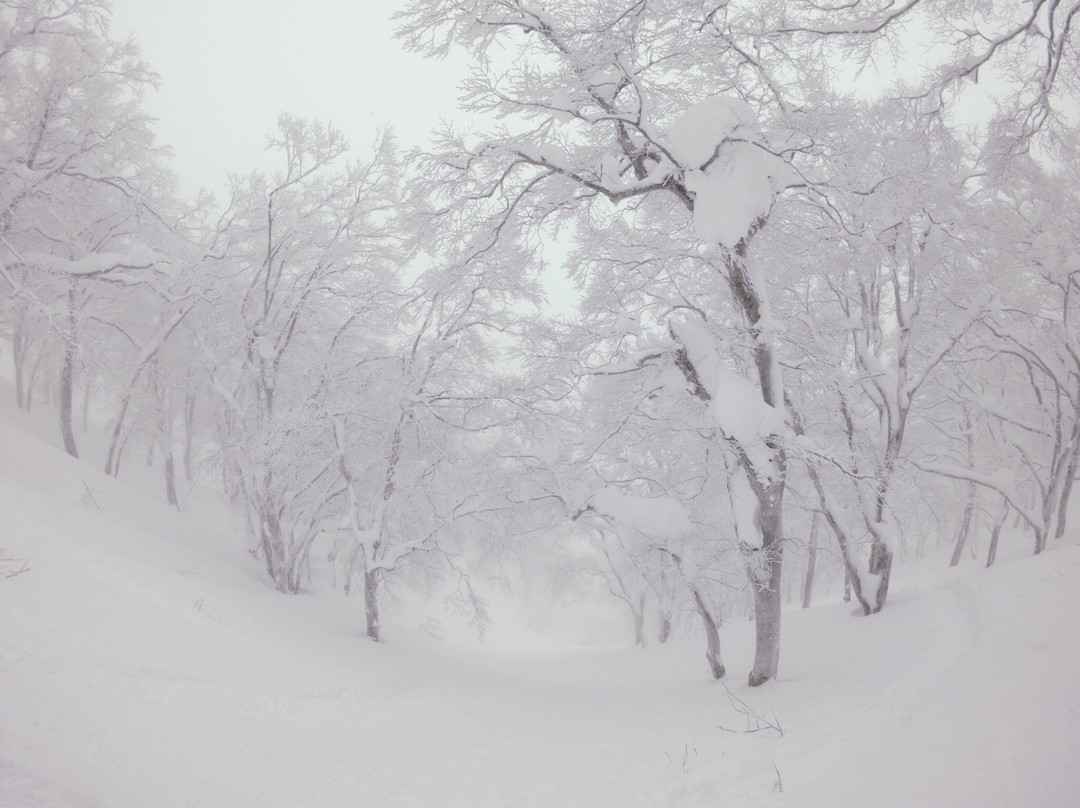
88, 498
755, 721
4, 569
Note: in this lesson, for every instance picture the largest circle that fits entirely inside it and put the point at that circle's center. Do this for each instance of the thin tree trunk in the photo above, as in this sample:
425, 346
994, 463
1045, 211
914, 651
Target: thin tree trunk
371, 603
32, 380
112, 458
165, 431
965, 526
991, 554
170, 479
972, 492
19, 345
86, 407
1066, 492
189, 428
67, 379
811, 562
664, 605
712, 635
638, 611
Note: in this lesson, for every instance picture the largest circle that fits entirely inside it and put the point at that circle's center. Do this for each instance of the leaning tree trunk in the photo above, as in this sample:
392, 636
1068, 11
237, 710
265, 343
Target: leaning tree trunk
1067, 484
712, 635
1066, 491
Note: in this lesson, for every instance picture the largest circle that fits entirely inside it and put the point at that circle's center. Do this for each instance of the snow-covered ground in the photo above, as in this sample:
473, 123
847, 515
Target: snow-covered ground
145, 662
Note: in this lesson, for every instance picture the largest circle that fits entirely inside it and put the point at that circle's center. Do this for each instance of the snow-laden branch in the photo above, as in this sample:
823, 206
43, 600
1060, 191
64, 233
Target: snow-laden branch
984, 480
858, 26
94, 264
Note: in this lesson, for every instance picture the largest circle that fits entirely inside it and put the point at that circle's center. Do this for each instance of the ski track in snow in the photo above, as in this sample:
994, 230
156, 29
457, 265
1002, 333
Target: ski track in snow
145, 662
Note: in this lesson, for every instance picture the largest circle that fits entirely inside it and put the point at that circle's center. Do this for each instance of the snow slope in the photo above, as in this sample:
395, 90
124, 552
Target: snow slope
144, 661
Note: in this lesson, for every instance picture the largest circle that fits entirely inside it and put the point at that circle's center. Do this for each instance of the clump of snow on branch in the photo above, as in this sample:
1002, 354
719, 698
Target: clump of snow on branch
736, 405
730, 176
695, 137
654, 517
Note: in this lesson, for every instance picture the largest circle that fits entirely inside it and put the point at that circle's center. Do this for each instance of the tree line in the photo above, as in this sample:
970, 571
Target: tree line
816, 331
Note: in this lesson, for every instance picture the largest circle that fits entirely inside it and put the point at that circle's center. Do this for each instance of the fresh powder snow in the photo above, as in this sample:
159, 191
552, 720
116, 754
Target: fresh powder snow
146, 660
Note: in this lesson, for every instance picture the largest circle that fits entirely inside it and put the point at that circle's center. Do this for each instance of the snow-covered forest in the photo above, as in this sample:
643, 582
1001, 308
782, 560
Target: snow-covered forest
822, 349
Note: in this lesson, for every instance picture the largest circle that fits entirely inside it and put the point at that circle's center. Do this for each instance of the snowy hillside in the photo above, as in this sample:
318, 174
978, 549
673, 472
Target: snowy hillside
146, 661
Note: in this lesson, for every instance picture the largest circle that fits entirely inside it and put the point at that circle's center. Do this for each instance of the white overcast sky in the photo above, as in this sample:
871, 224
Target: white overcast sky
229, 67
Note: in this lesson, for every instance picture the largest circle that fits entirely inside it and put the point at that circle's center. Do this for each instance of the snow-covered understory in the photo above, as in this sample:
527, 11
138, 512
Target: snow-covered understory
145, 661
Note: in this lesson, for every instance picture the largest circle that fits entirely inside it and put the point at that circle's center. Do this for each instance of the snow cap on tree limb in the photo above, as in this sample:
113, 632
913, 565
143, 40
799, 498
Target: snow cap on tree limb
653, 517
732, 178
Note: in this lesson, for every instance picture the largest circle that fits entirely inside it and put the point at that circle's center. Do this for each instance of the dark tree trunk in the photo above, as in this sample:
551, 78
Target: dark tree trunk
170, 478
765, 581
881, 559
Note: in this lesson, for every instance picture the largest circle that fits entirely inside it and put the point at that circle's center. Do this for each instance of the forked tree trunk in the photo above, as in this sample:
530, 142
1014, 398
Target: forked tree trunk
274, 555
881, 560
712, 635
